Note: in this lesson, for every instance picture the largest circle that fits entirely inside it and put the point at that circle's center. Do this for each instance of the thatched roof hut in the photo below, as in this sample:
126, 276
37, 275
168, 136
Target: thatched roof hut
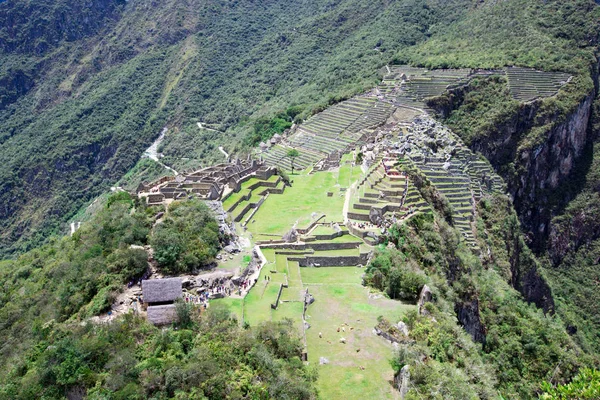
161, 290
162, 315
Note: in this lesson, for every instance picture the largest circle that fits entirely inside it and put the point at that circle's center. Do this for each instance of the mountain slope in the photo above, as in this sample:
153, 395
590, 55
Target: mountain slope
78, 111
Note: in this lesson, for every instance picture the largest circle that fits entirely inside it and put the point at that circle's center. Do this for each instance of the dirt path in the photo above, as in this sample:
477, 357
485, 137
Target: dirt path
224, 152
347, 202
201, 126
152, 151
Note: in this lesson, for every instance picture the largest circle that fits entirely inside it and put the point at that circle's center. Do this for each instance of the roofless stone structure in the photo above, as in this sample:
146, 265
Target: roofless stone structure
210, 183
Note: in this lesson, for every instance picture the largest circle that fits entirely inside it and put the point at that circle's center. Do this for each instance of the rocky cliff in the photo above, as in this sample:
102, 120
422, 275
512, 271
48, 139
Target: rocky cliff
536, 150
538, 147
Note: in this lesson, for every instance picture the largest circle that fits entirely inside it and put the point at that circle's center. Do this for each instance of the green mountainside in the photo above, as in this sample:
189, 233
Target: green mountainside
481, 272
82, 105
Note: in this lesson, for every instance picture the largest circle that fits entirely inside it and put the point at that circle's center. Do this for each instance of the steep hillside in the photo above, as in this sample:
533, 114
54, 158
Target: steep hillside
82, 101
545, 149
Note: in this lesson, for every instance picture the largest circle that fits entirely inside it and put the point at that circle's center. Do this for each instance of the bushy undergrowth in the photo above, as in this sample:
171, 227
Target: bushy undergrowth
521, 347
210, 357
50, 349
186, 239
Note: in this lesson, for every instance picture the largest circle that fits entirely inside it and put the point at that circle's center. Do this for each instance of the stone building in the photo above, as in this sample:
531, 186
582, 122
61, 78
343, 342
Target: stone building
159, 296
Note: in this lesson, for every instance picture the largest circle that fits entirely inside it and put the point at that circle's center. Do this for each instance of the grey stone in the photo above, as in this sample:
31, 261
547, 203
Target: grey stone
323, 360
424, 297
401, 381
375, 216
291, 236
402, 327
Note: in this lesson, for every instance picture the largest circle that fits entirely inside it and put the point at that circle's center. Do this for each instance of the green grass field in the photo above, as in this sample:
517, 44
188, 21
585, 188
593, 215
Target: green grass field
331, 275
361, 367
307, 195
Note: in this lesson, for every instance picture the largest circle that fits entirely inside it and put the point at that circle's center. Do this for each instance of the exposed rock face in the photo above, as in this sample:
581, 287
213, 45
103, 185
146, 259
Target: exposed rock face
542, 171
401, 381
546, 168
424, 297
468, 316
566, 235
542, 168
291, 236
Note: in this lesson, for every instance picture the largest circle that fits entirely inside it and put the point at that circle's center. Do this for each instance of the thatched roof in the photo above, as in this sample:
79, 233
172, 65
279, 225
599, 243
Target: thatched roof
162, 315
161, 290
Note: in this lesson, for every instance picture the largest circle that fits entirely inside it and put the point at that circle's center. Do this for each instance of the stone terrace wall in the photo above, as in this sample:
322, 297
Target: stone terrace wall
279, 244
332, 261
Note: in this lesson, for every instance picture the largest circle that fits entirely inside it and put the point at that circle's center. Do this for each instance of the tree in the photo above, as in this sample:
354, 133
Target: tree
292, 154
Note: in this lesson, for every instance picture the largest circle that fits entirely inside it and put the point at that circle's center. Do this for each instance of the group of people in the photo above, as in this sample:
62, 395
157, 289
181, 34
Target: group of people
200, 299
139, 281
246, 284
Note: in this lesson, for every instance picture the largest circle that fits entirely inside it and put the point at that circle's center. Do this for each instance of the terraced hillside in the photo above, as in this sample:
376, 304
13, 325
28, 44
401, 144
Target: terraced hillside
349, 124
316, 234
527, 84
253, 192
411, 86
337, 129
452, 169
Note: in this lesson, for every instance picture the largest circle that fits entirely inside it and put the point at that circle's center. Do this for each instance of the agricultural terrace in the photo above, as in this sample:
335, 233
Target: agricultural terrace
332, 214
361, 364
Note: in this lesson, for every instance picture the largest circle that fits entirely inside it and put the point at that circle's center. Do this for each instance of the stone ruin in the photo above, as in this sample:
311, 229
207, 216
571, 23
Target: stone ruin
210, 183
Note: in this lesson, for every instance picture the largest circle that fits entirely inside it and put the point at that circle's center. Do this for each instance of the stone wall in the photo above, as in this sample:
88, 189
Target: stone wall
276, 304
256, 207
280, 244
331, 261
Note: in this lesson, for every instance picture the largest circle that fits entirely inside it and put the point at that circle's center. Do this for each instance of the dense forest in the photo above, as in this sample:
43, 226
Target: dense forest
51, 349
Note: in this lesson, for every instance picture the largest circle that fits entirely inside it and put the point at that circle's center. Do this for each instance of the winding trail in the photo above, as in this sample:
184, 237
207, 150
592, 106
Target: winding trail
201, 126
152, 151
224, 152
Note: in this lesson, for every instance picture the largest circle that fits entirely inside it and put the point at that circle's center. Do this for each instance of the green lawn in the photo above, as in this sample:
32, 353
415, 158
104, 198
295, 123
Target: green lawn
323, 230
235, 306
332, 275
349, 307
257, 304
233, 198
239, 260
307, 195
347, 173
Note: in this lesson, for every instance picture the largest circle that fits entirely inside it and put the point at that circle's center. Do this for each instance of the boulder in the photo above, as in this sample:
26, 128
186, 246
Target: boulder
230, 248
323, 360
375, 216
402, 327
309, 299
401, 381
291, 236
424, 297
